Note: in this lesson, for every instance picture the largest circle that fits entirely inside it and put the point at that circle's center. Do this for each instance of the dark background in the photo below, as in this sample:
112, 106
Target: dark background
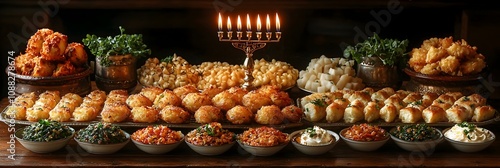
311, 28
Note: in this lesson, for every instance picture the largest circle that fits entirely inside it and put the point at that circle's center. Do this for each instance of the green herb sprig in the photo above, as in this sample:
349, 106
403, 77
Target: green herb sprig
122, 44
468, 128
319, 102
390, 51
311, 132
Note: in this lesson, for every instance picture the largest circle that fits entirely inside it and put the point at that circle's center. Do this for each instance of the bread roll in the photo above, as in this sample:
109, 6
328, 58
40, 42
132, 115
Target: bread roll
434, 114
457, 114
372, 111
483, 113
410, 115
354, 112
334, 112
314, 112
388, 113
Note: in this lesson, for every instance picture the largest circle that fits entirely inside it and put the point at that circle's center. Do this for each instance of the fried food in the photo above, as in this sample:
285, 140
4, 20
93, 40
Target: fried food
292, 113
115, 112
174, 115
239, 115
224, 100
24, 63
36, 41
207, 114
165, 98
17, 110
40, 110
238, 94
193, 101
144, 114
65, 108
138, 100
54, 46
254, 100
43, 68
334, 112
181, 92
63, 69
281, 99
91, 106
315, 110
151, 92
269, 115
212, 91
76, 54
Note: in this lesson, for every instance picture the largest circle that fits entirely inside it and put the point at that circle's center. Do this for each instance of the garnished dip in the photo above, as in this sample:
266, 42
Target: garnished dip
101, 133
365, 132
159, 135
263, 136
210, 134
315, 136
46, 130
416, 133
467, 132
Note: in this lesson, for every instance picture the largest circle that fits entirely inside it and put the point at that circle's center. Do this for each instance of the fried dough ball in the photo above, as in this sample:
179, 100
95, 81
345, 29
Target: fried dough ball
435, 54
174, 115
281, 99
255, 100
85, 113
473, 66
224, 100
184, 90
431, 69
269, 115
417, 60
449, 65
24, 63
63, 69
54, 46
37, 113
118, 92
138, 100
193, 101
239, 115
460, 50
292, 113
144, 114
212, 91
207, 114
96, 99
165, 98
76, 54
43, 68
432, 42
115, 112
238, 94
269, 90
36, 41
151, 92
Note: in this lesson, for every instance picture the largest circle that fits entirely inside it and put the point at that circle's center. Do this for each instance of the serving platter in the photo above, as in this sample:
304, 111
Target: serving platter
191, 124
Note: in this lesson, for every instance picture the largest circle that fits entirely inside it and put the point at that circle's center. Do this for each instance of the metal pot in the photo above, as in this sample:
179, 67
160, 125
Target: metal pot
377, 75
120, 74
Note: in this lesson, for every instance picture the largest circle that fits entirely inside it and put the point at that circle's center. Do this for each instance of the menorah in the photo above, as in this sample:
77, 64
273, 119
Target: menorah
249, 44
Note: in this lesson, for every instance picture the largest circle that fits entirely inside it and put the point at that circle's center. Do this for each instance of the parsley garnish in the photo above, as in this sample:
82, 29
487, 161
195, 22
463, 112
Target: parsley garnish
319, 102
468, 128
390, 51
122, 44
167, 59
311, 132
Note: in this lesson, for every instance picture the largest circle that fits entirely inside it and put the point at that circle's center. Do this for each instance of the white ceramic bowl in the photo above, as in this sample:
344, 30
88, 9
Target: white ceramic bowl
210, 150
469, 146
42, 147
366, 146
418, 146
103, 148
263, 150
314, 150
157, 149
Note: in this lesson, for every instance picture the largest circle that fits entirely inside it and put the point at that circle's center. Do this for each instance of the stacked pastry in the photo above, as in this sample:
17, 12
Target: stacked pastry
17, 109
91, 106
65, 108
40, 110
389, 106
115, 107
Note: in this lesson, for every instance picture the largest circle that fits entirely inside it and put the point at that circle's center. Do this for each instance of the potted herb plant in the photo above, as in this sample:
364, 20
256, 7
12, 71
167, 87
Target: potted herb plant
116, 59
378, 60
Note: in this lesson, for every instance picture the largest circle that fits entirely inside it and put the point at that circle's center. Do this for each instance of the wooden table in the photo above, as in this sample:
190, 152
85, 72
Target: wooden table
341, 155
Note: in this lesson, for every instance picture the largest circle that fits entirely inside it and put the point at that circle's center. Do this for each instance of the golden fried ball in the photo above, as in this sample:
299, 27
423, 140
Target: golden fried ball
63, 69
76, 54
281, 99
239, 115
472, 66
184, 90
269, 115
119, 92
115, 113
138, 100
224, 100
435, 54
54, 46
151, 92
268, 90
207, 114
417, 60
144, 114
24, 64
85, 113
238, 94
449, 65
212, 91
43, 68
60, 114
431, 69
193, 101
255, 100
292, 113
432, 42
36, 41
174, 115
35, 114
165, 98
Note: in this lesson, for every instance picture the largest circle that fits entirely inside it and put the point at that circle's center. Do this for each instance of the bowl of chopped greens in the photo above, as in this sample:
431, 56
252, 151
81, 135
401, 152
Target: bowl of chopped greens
416, 137
44, 136
102, 138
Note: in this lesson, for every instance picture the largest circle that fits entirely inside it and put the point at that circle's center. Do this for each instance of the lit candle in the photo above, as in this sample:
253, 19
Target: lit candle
238, 24
268, 24
249, 26
220, 22
258, 23
277, 23
228, 23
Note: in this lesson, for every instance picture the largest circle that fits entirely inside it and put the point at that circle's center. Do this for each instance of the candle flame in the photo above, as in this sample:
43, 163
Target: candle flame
268, 23
249, 25
277, 23
238, 24
259, 25
228, 23
220, 23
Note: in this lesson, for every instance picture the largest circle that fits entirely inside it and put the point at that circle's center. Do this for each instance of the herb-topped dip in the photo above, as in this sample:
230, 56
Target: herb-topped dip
101, 133
211, 134
46, 130
315, 136
416, 133
467, 132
